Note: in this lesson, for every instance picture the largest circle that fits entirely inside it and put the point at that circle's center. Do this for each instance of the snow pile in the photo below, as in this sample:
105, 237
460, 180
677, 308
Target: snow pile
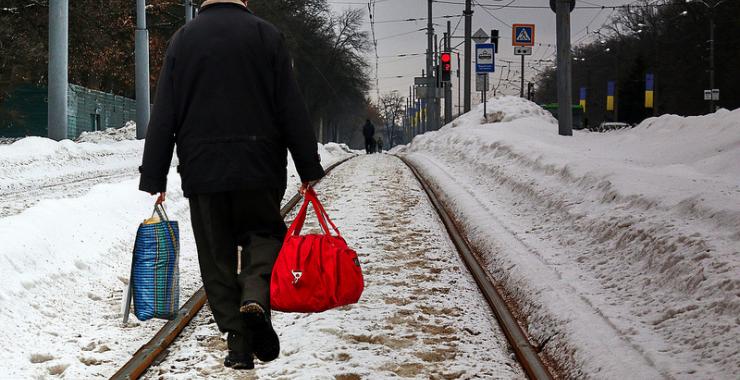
621, 248
127, 132
7, 140
338, 149
504, 109
66, 253
33, 162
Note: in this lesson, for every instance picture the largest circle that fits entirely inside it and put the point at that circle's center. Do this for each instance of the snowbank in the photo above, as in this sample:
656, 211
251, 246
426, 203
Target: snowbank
66, 259
620, 248
127, 132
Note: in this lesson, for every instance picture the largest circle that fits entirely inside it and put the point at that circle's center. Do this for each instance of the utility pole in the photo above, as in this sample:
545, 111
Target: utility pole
448, 85
430, 87
58, 69
142, 71
468, 36
711, 57
565, 110
188, 10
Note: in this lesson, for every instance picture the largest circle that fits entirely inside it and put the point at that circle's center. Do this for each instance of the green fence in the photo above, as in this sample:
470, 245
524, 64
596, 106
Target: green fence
24, 112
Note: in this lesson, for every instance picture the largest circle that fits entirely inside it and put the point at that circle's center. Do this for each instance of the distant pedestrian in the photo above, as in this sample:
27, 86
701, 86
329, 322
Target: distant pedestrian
379, 141
368, 130
228, 98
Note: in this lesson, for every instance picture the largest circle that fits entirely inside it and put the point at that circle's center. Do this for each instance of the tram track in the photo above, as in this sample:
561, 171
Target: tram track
534, 366
145, 356
16, 201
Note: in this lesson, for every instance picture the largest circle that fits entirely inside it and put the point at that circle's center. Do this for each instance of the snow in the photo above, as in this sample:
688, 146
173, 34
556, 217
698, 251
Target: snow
68, 217
420, 316
622, 249
127, 132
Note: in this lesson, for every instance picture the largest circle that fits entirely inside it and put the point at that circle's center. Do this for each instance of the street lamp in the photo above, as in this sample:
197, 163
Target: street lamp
711, 44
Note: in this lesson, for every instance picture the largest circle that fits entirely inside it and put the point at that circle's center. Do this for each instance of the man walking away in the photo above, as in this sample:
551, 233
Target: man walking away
228, 97
368, 130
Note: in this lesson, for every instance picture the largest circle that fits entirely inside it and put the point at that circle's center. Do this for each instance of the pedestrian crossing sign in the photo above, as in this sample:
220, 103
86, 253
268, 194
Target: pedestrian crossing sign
522, 35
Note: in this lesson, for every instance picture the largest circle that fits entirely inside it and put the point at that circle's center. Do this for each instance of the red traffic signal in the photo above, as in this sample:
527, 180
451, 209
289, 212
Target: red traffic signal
445, 60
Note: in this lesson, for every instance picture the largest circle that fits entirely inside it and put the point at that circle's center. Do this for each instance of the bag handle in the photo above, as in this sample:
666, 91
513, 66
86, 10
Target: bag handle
162, 213
324, 214
297, 226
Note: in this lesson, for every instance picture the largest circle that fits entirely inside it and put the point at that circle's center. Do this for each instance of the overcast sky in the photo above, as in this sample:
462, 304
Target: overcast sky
393, 40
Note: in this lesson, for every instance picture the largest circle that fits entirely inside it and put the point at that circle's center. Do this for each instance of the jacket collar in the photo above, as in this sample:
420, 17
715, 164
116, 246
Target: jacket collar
208, 3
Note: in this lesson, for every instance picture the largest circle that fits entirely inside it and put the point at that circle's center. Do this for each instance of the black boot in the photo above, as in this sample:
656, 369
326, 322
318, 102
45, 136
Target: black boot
239, 360
266, 342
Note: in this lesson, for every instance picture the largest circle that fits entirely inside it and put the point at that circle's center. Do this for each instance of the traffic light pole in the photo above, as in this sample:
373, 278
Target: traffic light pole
448, 84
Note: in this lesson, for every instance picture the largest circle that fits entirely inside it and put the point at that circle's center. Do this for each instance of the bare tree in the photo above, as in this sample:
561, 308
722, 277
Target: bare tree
391, 105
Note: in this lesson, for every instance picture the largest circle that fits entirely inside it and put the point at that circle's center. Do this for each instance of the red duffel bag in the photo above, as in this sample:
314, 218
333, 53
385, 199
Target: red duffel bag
314, 272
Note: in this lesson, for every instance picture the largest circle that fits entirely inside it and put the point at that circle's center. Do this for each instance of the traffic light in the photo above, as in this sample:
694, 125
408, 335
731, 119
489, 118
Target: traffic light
445, 62
494, 40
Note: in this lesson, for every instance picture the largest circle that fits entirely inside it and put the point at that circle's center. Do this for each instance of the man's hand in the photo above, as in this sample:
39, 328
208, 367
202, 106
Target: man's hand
161, 197
304, 187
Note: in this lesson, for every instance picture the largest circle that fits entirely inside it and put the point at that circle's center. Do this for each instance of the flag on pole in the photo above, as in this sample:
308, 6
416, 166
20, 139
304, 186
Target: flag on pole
582, 98
649, 88
610, 95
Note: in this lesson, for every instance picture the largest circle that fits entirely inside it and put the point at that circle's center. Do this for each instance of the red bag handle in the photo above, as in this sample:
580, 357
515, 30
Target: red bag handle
297, 225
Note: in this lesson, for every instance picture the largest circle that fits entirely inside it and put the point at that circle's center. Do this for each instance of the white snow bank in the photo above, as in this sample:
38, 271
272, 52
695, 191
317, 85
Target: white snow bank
634, 233
503, 109
33, 162
127, 132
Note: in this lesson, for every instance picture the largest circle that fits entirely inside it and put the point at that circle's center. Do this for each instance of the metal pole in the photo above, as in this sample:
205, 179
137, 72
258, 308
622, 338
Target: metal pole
485, 90
616, 83
437, 84
188, 10
711, 59
565, 111
521, 90
468, 36
142, 71
430, 52
459, 86
448, 85
58, 66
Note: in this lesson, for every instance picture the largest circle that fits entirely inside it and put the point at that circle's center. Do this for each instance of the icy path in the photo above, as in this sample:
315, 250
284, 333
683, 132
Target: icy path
421, 314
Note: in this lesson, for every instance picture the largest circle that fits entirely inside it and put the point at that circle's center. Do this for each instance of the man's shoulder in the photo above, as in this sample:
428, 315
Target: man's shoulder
265, 26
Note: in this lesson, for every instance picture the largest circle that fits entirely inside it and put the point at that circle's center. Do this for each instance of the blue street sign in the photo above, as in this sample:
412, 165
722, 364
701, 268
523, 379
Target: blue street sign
522, 35
484, 58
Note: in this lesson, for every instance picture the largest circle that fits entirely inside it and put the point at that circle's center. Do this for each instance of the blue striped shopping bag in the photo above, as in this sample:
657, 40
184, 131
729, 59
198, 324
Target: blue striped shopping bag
155, 271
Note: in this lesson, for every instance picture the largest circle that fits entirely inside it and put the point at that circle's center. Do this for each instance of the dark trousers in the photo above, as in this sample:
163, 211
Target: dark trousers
369, 145
221, 223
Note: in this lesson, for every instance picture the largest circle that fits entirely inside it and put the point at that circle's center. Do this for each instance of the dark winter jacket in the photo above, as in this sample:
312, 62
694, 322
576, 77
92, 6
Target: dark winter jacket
368, 130
228, 97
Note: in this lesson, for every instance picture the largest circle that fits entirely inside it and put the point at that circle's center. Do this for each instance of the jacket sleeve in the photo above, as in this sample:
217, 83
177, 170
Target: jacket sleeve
293, 120
160, 135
